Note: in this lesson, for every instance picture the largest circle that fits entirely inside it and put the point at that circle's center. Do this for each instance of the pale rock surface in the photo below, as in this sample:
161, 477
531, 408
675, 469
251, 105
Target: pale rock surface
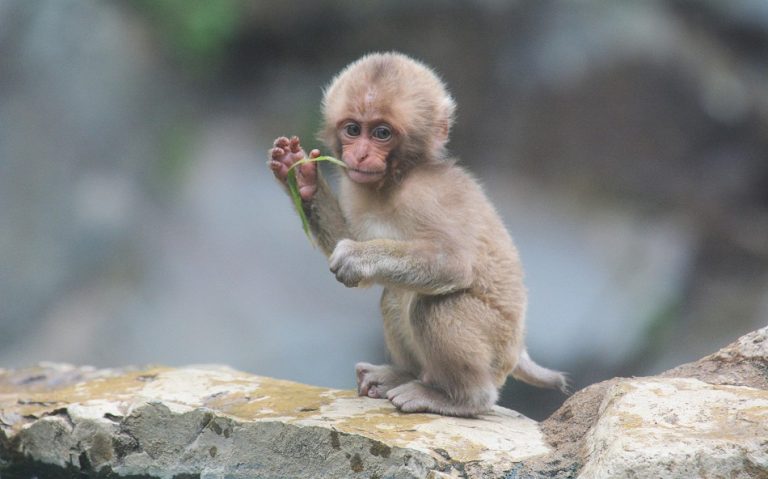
217, 422
668, 426
679, 428
707, 419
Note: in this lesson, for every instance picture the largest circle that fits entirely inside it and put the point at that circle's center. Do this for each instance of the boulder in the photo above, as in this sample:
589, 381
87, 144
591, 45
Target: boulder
218, 422
704, 419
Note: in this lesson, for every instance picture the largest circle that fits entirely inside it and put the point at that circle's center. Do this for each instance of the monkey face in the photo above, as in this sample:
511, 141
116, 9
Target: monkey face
365, 147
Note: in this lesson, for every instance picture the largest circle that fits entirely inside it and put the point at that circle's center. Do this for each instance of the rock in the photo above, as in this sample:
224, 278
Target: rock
675, 426
215, 422
704, 419
679, 428
741, 363
590, 431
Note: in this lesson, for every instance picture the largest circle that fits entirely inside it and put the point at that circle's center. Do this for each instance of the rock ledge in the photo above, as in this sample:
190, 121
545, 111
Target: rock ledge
214, 421
703, 419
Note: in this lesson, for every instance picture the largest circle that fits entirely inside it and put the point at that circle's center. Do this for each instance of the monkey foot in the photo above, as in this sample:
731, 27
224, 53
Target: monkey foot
415, 396
374, 381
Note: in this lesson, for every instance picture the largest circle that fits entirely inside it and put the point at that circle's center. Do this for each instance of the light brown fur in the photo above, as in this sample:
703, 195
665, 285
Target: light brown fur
454, 300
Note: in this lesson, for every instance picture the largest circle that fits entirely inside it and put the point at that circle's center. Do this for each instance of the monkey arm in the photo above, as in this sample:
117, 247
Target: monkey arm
325, 217
417, 264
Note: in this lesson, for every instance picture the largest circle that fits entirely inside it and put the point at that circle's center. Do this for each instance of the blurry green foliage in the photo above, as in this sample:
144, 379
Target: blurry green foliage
176, 144
197, 31
660, 326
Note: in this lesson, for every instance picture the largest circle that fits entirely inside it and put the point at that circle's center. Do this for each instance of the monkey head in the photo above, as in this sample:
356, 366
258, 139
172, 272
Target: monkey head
384, 114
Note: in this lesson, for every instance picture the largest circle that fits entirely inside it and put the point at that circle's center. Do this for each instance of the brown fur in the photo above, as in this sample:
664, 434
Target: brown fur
454, 300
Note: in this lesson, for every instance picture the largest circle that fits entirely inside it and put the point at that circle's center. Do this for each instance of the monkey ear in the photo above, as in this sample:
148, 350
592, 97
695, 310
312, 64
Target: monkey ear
443, 130
446, 114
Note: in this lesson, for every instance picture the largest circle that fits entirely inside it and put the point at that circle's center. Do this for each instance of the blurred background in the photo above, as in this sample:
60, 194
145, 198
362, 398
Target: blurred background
625, 144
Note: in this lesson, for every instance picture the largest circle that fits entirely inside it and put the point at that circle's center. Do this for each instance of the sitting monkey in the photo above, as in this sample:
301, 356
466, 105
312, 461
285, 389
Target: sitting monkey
408, 218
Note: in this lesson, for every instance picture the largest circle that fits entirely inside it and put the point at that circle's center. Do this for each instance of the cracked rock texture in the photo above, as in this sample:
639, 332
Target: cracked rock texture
703, 419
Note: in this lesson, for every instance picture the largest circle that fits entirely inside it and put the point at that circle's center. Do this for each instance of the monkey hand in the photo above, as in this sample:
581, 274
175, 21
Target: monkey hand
284, 154
349, 265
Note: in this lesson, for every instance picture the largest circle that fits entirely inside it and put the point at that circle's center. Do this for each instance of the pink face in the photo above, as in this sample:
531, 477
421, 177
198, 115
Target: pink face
365, 147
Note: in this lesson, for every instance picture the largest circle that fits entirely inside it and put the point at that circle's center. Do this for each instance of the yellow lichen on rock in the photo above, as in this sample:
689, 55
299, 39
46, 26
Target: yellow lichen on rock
208, 411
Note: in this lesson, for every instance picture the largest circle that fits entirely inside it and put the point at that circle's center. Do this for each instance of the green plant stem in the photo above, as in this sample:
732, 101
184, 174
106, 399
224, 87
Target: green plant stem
293, 189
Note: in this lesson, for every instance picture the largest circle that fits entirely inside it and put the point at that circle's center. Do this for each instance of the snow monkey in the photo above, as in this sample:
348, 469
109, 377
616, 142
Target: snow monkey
408, 218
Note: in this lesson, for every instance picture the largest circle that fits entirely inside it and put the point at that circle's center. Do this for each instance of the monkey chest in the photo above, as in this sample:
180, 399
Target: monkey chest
378, 226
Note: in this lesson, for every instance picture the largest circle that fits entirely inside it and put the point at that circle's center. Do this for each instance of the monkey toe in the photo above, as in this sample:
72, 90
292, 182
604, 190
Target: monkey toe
362, 390
410, 402
376, 391
415, 405
372, 389
415, 396
361, 369
409, 395
375, 381
364, 385
367, 385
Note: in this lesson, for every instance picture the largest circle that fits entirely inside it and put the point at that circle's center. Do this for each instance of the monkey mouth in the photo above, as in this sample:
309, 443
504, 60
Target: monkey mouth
365, 176
366, 172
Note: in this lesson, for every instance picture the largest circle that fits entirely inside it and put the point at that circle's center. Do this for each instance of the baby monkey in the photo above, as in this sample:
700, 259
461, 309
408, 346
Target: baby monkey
408, 218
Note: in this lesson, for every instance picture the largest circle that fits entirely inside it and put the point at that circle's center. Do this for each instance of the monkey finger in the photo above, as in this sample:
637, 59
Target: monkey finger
348, 280
314, 153
276, 153
282, 143
308, 172
307, 192
307, 178
279, 169
295, 144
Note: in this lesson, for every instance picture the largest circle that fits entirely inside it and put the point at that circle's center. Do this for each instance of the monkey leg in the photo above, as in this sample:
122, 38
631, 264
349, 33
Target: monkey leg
457, 377
374, 381
398, 334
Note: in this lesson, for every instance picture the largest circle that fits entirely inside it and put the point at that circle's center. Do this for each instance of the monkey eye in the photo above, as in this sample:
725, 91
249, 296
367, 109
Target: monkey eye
352, 129
382, 133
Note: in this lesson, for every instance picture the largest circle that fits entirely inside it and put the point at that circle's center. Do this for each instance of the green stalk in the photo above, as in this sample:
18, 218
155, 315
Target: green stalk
293, 189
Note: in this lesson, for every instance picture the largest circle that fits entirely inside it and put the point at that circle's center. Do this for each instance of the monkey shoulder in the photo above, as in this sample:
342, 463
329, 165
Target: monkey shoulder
442, 200
461, 212
449, 189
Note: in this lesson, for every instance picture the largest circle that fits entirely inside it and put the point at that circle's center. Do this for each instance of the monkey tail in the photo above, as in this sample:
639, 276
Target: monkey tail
530, 372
